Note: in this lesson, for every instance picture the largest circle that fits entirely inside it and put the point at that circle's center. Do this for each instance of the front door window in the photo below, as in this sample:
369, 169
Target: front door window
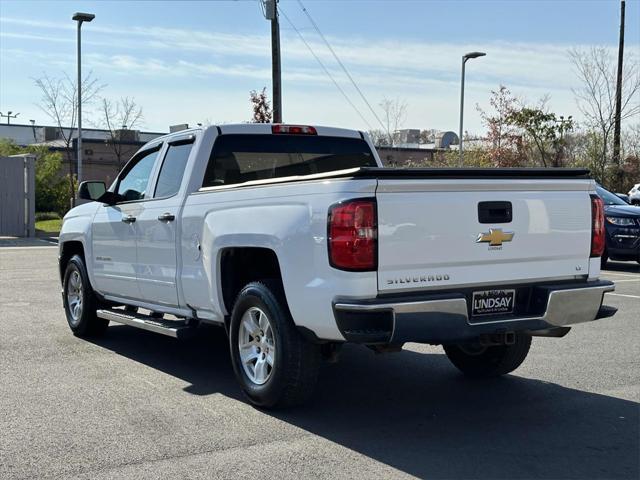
135, 179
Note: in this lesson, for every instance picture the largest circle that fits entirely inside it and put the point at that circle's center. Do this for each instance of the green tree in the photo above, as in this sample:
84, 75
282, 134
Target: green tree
544, 134
503, 137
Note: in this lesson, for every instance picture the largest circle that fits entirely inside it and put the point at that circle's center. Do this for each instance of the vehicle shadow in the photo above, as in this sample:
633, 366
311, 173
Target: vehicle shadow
414, 412
630, 267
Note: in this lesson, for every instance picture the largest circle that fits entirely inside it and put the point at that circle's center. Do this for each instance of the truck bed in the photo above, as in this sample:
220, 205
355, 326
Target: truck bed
387, 173
471, 173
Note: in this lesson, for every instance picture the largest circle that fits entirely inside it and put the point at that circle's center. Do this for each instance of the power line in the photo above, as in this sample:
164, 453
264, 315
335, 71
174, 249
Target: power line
341, 64
344, 94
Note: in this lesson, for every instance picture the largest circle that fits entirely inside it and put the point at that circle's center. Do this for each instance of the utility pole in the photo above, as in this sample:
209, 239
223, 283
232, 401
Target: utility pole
616, 125
271, 13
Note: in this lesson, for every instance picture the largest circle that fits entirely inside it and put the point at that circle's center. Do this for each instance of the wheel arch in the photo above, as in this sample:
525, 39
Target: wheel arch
239, 266
67, 250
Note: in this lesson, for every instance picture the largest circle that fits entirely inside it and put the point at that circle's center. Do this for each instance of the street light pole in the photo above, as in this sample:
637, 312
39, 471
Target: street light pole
80, 17
9, 116
465, 57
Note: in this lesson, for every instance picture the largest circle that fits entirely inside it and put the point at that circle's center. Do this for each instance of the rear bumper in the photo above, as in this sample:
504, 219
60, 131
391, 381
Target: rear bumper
445, 318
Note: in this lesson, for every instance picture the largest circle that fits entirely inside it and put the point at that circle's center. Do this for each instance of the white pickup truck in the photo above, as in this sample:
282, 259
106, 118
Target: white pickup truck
296, 240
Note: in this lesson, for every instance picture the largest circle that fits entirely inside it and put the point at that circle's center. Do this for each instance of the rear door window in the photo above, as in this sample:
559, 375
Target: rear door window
172, 170
242, 158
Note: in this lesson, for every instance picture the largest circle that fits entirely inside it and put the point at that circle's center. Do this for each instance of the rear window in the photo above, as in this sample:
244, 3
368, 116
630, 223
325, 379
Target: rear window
242, 158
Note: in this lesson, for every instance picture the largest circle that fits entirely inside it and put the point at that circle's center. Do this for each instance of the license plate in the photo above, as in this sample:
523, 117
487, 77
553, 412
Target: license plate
489, 302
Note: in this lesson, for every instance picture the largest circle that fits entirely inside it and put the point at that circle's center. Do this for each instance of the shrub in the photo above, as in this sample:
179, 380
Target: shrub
47, 216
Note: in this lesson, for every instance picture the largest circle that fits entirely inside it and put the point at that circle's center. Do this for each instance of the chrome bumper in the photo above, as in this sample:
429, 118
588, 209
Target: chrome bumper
445, 318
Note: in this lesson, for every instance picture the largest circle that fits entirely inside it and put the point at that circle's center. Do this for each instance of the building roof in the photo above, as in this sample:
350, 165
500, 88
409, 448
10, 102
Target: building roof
34, 134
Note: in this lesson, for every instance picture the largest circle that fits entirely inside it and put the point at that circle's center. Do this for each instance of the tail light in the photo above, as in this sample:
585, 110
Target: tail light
353, 235
293, 129
597, 226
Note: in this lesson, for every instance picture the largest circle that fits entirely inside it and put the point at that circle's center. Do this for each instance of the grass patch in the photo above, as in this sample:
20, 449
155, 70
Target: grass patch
49, 226
46, 216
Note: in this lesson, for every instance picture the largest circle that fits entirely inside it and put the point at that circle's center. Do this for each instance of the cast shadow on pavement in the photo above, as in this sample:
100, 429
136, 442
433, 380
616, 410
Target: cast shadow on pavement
414, 412
629, 267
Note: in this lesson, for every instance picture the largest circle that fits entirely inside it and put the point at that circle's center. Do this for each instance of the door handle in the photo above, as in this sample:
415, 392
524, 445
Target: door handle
167, 217
128, 218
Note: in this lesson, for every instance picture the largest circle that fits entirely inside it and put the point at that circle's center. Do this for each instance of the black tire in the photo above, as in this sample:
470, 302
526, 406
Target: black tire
604, 260
484, 362
294, 373
87, 324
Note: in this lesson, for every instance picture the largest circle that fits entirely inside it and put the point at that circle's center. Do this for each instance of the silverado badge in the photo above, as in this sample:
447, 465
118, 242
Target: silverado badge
495, 237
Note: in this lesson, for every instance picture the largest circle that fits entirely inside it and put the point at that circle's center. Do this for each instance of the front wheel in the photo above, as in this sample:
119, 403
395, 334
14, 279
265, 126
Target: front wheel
80, 303
479, 361
274, 364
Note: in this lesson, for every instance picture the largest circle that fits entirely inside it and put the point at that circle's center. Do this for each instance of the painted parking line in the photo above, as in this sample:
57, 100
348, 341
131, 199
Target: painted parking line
623, 295
630, 280
38, 247
605, 272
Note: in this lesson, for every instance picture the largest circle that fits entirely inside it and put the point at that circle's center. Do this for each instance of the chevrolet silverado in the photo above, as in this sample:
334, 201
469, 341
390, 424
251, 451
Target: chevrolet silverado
296, 240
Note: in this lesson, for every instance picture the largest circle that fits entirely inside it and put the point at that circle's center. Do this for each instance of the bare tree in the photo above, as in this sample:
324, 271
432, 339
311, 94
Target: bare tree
260, 106
378, 137
596, 97
631, 142
428, 135
59, 101
395, 114
124, 114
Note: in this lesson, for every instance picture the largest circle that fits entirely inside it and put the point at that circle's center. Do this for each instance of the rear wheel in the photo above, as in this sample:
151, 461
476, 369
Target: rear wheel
604, 260
80, 303
477, 361
274, 364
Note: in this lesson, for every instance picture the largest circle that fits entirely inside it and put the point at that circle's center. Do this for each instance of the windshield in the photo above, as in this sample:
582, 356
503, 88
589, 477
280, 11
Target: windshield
242, 158
609, 198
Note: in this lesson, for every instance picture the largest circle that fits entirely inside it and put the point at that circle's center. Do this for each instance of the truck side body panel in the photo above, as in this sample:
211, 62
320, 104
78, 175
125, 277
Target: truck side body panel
289, 219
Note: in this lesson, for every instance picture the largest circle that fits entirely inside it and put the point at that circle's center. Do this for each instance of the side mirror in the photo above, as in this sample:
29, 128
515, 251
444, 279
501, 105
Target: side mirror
91, 190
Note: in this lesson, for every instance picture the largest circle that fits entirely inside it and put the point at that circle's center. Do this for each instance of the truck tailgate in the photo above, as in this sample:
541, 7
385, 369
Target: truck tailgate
439, 233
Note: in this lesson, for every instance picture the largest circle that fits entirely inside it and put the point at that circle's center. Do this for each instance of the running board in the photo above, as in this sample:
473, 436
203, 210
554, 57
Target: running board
171, 328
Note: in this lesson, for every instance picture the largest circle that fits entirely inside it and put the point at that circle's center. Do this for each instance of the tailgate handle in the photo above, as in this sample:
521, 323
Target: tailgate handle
495, 212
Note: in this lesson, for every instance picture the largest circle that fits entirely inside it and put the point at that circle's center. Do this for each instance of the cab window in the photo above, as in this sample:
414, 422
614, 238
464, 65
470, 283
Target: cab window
172, 170
132, 185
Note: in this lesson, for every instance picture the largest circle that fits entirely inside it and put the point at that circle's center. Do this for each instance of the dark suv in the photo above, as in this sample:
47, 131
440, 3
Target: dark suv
622, 224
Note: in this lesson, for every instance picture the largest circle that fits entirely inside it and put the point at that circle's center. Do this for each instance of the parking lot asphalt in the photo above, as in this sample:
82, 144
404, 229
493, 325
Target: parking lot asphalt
138, 405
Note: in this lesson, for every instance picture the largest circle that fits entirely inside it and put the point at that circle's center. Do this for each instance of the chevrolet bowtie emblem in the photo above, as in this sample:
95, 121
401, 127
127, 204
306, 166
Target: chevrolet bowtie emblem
495, 237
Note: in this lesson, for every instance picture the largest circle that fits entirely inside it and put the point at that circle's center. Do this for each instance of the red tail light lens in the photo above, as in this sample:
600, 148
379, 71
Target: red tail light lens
597, 226
353, 235
293, 130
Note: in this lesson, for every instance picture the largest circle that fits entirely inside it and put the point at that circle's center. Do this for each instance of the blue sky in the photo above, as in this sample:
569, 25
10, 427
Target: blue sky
189, 62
